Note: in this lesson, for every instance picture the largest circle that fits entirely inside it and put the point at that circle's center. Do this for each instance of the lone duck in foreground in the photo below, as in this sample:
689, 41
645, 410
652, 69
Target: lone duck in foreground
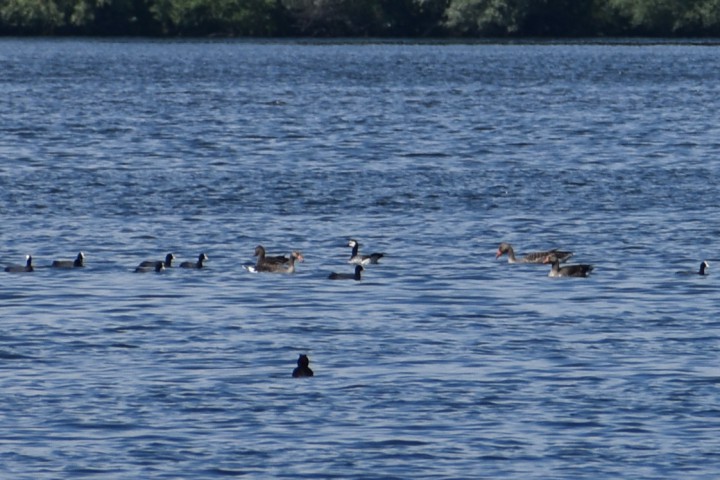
77, 263
151, 263
568, 270
303, 368
533, 257
28, 267
347, 276
199, 264
357, 259
703, 266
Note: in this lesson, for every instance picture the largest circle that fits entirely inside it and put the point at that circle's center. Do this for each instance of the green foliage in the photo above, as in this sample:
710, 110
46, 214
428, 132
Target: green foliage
206, 17
334, 17
407, 18
485, 17
559, 18
29, 16
668, 17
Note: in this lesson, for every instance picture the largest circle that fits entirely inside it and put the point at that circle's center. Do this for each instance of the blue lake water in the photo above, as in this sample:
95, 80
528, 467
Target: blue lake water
443, 362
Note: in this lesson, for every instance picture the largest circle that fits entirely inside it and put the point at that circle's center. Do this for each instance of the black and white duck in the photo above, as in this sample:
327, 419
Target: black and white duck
357, 259
199, 264
151, 263
347, 276
28, 267
704, 265
157, 267
77, 263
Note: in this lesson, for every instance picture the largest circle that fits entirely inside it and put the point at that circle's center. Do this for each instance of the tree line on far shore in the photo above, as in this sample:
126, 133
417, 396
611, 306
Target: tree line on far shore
363, 18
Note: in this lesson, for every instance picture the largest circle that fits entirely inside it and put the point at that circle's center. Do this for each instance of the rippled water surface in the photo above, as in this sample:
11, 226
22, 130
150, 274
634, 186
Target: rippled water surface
443, 362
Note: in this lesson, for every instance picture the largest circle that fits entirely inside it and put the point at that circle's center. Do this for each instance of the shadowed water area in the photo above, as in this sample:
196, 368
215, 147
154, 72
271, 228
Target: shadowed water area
442, 362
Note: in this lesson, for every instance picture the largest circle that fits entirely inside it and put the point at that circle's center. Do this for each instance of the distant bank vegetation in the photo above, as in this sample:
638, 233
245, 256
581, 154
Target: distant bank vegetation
353, 18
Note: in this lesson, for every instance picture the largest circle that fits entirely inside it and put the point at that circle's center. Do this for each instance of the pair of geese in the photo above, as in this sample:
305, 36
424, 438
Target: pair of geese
29, 267
555, 257
283, 264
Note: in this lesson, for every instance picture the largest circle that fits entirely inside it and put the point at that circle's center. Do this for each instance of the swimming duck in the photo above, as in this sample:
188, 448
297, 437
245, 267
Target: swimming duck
303, 368
703, 266
28, 267
158, 267
199, 264
357, 259
567, 271
77, 263
280, 267
262, 258
533, 257
347, 276
150, 263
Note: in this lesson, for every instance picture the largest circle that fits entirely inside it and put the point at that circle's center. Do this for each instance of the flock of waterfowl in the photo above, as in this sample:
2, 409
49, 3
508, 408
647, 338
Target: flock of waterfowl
286, 264
265, 263
555, 257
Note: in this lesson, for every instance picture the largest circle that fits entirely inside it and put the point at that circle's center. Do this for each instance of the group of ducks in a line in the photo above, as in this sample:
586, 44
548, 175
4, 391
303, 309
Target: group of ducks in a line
79, 262
29, 267
286, 264
264, 263
556, 257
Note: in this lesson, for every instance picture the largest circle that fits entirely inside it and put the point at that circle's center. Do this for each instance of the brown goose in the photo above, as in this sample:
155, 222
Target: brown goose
77, 263
568, 270
262, 258
280, 267
533, 257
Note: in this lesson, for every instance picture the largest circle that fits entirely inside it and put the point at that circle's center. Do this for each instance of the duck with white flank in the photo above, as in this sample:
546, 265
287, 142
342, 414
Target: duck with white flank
77, 263
567, 271
533, 257
262, 258
151, 263
279, 267
199, 264
28, 267
703, 266
347, 276
357, 259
